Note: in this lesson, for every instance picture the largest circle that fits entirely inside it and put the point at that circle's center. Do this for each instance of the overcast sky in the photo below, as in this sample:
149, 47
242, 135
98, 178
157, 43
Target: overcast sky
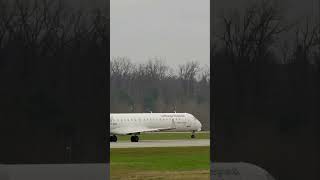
177, 30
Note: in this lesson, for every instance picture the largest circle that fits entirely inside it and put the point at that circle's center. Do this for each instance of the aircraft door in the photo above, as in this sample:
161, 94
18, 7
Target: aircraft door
188, 122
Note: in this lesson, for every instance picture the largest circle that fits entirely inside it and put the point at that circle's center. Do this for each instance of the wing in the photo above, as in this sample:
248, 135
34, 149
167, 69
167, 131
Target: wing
133, 130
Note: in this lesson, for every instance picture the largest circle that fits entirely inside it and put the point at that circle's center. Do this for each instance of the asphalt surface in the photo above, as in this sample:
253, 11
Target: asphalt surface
161, 143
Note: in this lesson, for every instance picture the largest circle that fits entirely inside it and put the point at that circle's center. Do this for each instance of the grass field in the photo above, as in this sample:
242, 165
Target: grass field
160, 163
167, 136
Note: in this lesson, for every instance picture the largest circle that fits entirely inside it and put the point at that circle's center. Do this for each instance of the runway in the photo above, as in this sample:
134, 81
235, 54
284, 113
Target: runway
161, 143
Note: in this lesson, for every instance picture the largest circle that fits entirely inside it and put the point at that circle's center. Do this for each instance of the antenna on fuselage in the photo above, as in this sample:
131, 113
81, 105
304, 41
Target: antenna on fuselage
174, 109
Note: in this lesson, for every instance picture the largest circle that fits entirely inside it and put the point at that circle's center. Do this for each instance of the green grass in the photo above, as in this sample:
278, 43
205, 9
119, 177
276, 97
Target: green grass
160, 159
162, 163
166, 136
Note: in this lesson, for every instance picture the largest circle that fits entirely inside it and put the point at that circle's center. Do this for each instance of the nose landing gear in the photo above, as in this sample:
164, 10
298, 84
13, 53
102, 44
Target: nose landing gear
193, 135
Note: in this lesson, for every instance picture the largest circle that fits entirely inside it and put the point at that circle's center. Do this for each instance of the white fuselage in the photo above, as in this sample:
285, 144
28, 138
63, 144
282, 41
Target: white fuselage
154, 122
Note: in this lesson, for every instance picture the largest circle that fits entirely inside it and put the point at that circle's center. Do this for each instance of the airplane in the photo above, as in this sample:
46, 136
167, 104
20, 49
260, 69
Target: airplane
136, 123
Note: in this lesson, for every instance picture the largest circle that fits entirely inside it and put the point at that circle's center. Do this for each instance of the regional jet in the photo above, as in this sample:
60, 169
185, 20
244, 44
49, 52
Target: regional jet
135, 123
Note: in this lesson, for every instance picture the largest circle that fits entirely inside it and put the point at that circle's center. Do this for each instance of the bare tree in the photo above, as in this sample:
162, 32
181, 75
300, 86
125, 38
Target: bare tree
249, 37
307, 42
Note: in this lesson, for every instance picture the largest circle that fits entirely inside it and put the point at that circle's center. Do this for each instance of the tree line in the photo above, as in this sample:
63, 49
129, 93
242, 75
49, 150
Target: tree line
154, 86
53, 60
262, 33
265, 90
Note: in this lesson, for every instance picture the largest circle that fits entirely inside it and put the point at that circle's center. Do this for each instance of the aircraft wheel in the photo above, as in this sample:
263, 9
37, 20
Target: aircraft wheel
134, 139
193, 136
113, 138
137, 138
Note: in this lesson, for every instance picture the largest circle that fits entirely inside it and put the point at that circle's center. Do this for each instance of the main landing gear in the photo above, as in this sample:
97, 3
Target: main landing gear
113, 138
135, 138
193, 135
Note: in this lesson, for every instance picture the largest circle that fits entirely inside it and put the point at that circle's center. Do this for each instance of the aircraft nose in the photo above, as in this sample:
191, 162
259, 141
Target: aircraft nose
199, 125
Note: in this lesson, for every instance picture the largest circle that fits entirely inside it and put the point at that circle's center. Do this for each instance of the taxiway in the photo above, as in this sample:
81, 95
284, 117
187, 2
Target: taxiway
160, 143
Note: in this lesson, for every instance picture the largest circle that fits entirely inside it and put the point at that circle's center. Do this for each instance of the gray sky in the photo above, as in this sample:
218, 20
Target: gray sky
178, 30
